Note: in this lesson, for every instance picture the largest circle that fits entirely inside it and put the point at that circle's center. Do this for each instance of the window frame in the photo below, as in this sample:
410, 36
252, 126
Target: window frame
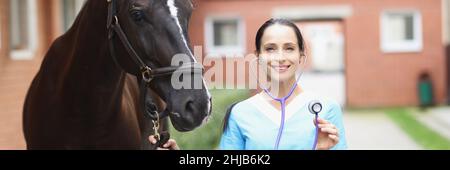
32, 44
415, 45
78, 5
214, 51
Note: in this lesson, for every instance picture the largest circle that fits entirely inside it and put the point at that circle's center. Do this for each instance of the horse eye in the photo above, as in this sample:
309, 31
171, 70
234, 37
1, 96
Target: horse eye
137, 15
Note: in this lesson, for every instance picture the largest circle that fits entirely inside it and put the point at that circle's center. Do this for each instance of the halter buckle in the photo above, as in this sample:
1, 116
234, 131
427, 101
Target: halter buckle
116, 20
156, 127
147, 75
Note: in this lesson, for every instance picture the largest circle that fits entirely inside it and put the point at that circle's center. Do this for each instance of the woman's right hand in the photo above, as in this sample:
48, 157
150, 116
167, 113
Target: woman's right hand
328, 135
170, 145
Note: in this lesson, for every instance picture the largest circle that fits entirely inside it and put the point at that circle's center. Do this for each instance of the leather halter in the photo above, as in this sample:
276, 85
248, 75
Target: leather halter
147, 73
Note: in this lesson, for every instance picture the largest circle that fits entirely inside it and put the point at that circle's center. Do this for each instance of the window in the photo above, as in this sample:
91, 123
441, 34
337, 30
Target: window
70, 8
224, 36
401, 31
23, 26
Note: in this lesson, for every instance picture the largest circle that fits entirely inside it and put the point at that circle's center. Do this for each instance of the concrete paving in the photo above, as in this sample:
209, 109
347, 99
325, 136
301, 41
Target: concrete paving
372, 130
437, 119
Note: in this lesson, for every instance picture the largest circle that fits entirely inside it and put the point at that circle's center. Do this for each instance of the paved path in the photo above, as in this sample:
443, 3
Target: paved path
366, 130
437, 119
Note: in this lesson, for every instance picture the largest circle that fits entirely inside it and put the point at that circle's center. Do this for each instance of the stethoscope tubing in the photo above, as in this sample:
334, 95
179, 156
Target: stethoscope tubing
283, 113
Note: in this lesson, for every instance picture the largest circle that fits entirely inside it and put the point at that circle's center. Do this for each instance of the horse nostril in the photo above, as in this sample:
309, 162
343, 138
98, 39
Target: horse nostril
176, 114
190, 107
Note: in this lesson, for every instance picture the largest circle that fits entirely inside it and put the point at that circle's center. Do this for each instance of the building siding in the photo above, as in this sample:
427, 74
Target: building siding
373, 78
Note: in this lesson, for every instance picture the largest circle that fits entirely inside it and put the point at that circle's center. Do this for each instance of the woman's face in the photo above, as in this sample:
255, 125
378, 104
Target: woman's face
280, 52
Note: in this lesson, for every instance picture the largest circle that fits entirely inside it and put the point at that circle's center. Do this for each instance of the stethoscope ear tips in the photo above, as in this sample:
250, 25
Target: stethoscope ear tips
315, 107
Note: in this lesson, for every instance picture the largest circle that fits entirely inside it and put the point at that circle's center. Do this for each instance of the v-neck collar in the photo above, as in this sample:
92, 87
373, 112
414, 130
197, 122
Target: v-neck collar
267, 109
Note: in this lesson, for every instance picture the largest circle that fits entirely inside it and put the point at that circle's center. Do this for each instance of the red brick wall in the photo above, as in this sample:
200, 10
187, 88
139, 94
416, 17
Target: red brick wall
2, 29
448, 72
378, 79
16, 75
374, 79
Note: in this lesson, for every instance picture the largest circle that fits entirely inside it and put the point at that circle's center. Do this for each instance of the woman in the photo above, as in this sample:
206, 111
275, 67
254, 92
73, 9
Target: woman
256, 123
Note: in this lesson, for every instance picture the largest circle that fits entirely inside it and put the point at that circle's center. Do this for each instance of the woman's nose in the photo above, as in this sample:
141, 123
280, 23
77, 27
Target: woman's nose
279, 56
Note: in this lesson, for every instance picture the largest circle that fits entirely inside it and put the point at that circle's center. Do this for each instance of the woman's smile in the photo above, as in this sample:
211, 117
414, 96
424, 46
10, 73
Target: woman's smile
281, 68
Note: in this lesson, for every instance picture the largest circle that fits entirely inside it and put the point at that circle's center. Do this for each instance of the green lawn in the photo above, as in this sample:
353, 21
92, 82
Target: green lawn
207, 137
423, 135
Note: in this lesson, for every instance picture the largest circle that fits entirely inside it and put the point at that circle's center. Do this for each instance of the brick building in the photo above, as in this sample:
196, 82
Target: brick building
446, 38
27, 28
375, 53
363, 53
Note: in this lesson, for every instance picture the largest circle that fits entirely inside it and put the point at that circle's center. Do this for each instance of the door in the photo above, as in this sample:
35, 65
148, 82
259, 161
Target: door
325, 71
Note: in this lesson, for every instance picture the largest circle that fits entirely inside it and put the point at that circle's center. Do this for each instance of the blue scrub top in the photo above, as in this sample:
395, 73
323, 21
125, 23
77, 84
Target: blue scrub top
254, 124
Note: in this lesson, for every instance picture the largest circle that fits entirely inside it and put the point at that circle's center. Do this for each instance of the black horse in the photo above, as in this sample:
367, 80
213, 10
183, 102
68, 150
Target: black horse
90, 91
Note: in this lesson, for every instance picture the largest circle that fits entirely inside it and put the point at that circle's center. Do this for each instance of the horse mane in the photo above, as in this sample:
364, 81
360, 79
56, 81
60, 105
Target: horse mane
68, 47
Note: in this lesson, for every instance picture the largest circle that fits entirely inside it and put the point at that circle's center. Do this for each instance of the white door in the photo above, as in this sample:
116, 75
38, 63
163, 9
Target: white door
324, 72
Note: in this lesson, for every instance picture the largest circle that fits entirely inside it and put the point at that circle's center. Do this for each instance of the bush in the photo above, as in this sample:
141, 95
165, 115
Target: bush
207, 136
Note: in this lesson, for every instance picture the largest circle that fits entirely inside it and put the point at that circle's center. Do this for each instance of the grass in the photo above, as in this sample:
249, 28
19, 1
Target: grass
423, 135
207, 136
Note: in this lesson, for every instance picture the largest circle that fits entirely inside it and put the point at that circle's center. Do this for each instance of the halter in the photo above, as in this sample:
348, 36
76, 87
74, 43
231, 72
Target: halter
147, 73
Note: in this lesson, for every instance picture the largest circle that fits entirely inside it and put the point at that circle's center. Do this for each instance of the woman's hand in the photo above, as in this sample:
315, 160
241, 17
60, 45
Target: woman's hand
328, 135
170, 145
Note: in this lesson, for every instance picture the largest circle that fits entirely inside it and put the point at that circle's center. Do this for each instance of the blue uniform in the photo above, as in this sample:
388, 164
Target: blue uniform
254, 124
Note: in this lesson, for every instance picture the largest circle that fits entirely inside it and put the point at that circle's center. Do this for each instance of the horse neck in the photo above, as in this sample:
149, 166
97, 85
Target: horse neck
91, 71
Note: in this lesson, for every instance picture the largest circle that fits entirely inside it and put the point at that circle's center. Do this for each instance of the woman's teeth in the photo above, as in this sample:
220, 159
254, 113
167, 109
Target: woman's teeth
281, 67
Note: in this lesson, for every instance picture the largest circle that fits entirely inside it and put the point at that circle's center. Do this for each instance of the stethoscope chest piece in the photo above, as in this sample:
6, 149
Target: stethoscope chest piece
315, 107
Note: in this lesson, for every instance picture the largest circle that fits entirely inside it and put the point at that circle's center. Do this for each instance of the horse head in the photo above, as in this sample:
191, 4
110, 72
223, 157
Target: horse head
156, 33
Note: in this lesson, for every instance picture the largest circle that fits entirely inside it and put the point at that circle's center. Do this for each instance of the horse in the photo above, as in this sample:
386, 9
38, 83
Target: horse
106, 82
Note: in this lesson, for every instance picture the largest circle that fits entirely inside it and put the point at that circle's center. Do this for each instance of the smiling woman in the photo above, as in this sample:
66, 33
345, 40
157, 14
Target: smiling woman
278, 116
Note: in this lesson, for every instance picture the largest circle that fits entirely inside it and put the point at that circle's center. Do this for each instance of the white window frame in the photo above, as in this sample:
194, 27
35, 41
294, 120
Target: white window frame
313, 12
214, 51
415, 45
78, 5
446, 21
27, 54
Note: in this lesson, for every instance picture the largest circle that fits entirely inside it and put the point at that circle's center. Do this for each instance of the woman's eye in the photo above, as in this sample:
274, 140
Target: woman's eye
290, 49
137, 15
270, 49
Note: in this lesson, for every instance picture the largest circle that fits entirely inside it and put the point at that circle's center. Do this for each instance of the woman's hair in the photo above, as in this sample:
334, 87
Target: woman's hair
262, 29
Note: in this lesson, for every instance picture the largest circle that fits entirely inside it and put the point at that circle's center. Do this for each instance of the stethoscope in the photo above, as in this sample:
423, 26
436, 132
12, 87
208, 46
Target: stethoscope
315, 107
